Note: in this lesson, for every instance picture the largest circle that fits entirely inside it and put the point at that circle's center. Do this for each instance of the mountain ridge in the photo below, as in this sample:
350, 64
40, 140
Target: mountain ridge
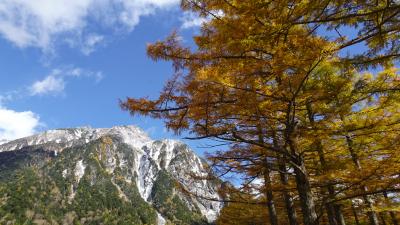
127, 153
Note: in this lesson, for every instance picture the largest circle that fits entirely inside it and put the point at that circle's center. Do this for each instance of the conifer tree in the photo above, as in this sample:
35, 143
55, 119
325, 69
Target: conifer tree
267, 79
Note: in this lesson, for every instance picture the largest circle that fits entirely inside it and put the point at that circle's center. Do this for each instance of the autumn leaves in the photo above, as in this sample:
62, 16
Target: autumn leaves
306, 95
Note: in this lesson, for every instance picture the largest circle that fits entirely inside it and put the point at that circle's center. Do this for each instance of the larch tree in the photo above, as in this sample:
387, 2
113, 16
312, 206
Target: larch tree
260, 80
369, 130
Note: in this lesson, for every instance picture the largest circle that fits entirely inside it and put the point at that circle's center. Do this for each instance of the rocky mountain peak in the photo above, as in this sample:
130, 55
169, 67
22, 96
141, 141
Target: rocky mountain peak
68, 137
129, 156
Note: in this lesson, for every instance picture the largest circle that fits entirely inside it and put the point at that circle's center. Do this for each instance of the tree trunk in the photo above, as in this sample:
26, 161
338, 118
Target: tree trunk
301, 174
339, 215
290, 209
382, 216
391, 213
393, 217
273, 217
284, 177
335, 216
356, 220
306, 197
372, 215
302, 180
326, 191
305, 194
330, 211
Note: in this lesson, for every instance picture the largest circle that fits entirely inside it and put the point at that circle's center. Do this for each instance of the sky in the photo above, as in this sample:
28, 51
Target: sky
66, 63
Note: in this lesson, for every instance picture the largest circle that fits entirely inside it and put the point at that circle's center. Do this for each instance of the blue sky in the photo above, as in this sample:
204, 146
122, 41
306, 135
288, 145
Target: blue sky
66, 63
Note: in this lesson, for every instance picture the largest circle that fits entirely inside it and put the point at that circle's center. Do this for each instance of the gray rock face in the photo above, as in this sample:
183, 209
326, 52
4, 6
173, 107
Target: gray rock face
139, 160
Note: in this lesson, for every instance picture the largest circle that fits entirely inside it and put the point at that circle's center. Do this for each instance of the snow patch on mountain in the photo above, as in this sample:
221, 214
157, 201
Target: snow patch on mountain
160, 220
79, 170
130, 135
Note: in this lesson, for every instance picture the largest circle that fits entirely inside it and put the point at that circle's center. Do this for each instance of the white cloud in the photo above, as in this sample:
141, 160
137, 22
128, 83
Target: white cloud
191, 20
15, 125
55, 83
41, 23
50, 84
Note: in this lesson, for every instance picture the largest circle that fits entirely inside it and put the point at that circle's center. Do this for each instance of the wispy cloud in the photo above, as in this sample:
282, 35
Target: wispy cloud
79, 72
55, 82
91, 42
42, 23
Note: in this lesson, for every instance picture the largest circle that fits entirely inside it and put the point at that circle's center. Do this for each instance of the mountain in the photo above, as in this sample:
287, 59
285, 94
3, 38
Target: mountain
112, 175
